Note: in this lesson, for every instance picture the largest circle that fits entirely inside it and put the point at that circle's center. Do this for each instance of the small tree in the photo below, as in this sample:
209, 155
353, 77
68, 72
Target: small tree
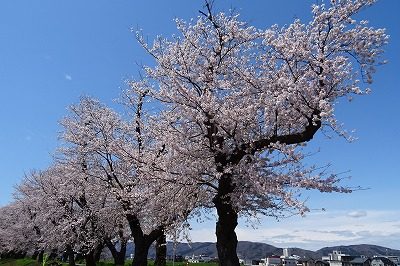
240, 101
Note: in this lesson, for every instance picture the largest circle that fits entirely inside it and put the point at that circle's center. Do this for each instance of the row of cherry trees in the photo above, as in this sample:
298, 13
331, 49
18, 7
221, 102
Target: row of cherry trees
217, 123
107, 185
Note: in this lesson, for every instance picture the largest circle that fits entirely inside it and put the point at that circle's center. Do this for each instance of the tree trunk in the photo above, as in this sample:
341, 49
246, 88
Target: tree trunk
118, 256
161, 251
71, 256
92, 255
141, 240
35, 254
40, 256
226, 224
97, 251
79, 256
141, 252
71, 259
89, 259
53, 254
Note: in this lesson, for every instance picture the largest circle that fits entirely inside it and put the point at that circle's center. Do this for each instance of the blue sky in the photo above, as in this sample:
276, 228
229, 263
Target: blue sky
52, 52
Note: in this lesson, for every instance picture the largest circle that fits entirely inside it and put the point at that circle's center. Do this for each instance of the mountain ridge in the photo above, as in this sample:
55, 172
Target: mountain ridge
255, 250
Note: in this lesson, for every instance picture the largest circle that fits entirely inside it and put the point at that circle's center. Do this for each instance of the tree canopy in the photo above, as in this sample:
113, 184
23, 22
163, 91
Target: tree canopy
238, 103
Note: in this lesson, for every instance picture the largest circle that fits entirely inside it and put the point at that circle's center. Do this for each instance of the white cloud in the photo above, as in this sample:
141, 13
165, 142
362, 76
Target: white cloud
320, 229
203, 235
357, 214
67, 77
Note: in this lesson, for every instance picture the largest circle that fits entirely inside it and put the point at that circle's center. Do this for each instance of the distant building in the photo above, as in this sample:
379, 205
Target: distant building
321, 263
382, 261
395, 259
287, 252
271, 261
337, 258
306, 262
200, 258
360, 261
256, 262
288, 259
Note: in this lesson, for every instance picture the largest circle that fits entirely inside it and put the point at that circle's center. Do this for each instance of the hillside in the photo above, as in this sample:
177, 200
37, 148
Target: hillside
253, 250
364, 249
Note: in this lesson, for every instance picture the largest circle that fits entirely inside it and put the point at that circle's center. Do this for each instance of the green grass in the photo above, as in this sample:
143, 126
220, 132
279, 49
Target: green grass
31, 262
28, 262
184, 263
111, 263
19, 262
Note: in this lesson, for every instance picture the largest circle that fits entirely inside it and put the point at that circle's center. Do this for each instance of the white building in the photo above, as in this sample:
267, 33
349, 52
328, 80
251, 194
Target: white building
288, 259
200, 258
336, 258
271, 261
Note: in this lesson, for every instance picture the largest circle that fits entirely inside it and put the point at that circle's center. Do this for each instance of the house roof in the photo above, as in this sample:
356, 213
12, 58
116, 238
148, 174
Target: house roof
359, 260
321, 262
305, 260
386, 261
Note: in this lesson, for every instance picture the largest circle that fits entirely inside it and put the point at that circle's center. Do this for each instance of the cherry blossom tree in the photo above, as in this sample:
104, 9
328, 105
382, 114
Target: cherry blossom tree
123, 155
240, 102
75, 213
70, 213
19, 235
60, 211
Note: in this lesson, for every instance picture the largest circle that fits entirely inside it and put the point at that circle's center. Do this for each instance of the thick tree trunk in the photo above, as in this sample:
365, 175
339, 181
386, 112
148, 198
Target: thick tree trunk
97, 251
226, 224
92, 255
161, 251
141, 252
89, 259
141, 240
118, 256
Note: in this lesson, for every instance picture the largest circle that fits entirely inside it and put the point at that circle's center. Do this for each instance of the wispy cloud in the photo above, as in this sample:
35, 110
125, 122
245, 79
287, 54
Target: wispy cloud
321, 229
357, 214
67, 77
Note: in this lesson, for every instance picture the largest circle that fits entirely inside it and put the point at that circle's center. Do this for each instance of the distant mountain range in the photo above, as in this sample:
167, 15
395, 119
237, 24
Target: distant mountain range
253, 250
364, 249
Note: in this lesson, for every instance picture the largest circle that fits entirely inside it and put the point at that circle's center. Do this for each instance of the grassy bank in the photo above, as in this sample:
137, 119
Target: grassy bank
30, 262
19, 262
